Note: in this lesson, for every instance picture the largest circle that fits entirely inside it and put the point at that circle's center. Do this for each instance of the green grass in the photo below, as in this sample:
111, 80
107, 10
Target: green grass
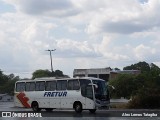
119, 106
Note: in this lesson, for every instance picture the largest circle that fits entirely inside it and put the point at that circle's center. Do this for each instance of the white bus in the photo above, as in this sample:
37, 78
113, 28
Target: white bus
50, 93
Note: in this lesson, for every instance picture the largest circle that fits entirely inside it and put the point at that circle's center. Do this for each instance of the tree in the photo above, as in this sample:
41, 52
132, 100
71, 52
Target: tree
124, 85
7, 83
147, 97
58, 73
116, 68
142, 66
147, 94
9, 87
155, 70
3, 78
46, 73
129, 85
41, 73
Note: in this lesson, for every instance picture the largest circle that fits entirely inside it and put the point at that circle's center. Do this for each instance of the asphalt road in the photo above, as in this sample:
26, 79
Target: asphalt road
123, 114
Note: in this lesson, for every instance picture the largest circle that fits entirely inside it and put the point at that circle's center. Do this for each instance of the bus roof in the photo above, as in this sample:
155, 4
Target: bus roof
55, 78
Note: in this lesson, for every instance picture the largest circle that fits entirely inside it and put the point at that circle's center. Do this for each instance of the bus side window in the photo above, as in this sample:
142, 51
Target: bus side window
50, 85
62, 85
73, 85
40, 86
30, 86
20, 86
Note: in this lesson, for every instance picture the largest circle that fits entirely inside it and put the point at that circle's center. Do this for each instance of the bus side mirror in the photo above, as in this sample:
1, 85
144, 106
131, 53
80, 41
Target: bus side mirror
112, 87
95, 86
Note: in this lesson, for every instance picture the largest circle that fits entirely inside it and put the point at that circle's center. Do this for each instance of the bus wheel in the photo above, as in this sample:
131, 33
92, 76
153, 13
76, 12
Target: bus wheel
78, 107
35, 107
49, 109
92, 110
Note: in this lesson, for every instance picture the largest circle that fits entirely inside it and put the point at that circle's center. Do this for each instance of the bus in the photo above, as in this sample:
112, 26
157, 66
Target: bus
65, 93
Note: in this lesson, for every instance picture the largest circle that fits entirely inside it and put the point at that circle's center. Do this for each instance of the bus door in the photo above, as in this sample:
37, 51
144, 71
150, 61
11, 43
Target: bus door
87, 94
89, 97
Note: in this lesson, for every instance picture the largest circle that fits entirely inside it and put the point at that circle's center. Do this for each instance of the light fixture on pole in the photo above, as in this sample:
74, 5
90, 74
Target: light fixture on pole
51, 58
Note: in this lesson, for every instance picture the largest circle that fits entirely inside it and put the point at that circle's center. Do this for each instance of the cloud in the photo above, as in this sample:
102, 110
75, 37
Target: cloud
120, 16
71, 48
126, 18
143, 52
86, 34
124, 27
44, 7
107, 50
73, 30
22, 40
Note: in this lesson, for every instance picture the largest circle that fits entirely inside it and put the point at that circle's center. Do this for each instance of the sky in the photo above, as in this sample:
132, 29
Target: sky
85, 34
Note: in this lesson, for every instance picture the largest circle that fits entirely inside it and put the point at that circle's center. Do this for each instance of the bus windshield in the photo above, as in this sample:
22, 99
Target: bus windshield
100, 90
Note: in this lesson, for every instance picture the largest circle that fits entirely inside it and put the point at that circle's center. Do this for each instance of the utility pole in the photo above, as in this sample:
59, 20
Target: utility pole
51, 58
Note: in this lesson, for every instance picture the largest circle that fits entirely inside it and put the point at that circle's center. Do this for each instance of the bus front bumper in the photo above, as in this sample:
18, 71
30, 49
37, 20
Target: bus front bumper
102, 104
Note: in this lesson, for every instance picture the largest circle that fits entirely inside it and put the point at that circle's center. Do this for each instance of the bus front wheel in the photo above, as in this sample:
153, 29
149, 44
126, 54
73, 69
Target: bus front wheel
78, 107
35, 107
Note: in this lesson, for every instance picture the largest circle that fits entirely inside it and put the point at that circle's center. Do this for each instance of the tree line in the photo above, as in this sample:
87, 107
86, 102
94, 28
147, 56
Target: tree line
143, 89
7, 82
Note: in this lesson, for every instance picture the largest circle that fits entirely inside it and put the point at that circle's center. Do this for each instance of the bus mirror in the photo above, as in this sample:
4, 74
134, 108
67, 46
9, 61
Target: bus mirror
113, 88
96, 86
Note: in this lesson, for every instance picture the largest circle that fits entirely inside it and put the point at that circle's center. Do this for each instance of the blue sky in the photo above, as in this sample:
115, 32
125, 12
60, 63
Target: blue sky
101, 33
6, 7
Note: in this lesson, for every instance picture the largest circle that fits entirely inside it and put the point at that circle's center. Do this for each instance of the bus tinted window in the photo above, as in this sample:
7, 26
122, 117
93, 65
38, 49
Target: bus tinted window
50, 85
20, 86
83, 84
62, 85
40, 86
30, 86
73, 85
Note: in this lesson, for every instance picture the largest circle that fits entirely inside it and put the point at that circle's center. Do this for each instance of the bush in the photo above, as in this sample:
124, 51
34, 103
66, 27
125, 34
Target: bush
119, 106
146, 99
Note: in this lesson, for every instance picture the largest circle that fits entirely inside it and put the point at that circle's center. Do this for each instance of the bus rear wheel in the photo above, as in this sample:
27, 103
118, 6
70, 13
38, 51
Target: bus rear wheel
78, 107
35, 107
92, 110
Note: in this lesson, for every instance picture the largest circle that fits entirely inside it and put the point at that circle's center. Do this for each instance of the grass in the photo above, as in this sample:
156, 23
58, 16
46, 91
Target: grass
119, 106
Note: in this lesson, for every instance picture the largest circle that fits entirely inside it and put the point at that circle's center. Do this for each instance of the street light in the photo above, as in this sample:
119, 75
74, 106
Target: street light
51, 58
